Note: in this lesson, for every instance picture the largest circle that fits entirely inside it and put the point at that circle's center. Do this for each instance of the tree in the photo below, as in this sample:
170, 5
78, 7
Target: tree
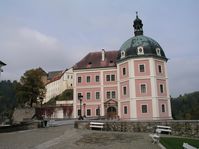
31, 88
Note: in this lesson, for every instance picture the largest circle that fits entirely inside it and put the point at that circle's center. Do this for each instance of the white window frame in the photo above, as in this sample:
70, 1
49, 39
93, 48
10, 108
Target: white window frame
124, 109
112, 94
96, 111
141, 88
96, 79
164, 108
96, 95
78, 79
162, 88
158, 51
123, 54
123, 71
140, 52
87, 95
146, 108
87, 80
125, 86
87, 112
144, 68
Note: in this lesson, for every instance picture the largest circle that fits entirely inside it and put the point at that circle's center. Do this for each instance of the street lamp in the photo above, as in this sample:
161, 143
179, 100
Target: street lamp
80, 101
84, 109
98, 110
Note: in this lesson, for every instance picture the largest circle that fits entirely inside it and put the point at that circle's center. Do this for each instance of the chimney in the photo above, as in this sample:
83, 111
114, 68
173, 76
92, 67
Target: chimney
103, 54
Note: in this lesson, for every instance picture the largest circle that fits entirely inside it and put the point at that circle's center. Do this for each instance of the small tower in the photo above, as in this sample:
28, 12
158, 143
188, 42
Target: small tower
137, 24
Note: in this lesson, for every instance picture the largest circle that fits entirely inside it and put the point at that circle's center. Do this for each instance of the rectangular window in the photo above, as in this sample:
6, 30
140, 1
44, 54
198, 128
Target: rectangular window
141, 68
112, 77
143, 88
88, 79
97, 95
113, 94
161, 88
97, 112
108, 95
124, 71
125, 110
79, 79
159, 68
78, 112
88, 95
124, 90
79, 95
96, 78
163, 108
108, 78
88, 112
144, 108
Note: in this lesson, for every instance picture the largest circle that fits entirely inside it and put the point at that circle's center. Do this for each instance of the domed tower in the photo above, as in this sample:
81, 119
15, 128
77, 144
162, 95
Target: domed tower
142, 78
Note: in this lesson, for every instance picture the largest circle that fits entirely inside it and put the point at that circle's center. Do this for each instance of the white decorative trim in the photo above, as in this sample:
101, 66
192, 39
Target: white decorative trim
140, 50
158, 51
123, 54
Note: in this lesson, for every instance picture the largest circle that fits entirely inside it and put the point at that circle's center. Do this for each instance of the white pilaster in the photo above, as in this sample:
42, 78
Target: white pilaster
102, 93
118, 90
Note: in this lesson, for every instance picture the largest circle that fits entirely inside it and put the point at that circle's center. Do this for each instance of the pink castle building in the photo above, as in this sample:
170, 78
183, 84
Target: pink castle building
131, 83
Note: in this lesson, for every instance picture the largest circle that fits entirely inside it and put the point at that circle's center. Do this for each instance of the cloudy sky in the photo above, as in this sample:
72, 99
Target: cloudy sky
55, 34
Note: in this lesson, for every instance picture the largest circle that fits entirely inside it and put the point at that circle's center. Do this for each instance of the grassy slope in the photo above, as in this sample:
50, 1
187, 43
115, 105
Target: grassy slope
176, 143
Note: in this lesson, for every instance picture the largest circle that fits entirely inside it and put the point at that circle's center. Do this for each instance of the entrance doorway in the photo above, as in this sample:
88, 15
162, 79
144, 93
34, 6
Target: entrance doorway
111, 113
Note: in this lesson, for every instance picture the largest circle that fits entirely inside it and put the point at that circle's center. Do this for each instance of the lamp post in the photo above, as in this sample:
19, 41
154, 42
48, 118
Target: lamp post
84, 109
98, 110
80, 101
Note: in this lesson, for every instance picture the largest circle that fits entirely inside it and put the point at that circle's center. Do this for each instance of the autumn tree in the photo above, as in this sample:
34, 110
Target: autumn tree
31, 88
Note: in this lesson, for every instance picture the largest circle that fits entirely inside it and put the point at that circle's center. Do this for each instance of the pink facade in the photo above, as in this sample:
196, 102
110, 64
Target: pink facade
125, 110
159, 67
85, 82
143, 82
124, 71
144, 109
112, 75
163, 108
142, 67
161, 87
111, 90
124, 86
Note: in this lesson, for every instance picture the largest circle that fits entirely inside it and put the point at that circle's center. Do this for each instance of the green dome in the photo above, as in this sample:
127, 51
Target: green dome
149, 47
140, 45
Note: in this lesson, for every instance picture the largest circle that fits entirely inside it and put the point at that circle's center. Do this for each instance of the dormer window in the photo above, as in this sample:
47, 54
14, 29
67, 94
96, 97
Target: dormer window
140, 50
122, 54
158, 51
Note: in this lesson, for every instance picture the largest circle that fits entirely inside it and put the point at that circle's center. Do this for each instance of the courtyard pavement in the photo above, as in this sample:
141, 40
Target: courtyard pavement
67, 137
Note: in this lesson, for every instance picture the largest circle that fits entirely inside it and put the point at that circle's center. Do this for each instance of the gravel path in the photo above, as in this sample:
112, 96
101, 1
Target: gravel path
67, 137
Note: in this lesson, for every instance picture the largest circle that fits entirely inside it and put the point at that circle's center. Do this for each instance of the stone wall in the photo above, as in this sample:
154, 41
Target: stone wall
179, 128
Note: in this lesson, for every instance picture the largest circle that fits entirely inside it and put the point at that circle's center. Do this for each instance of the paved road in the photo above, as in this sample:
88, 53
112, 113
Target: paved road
67, 137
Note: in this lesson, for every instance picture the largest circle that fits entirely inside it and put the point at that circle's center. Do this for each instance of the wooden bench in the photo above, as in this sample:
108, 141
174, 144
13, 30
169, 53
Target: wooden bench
160, 129
155, 138
96, 125
187, 146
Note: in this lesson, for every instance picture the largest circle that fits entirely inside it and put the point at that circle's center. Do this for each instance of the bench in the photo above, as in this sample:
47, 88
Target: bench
187, 146
160, 129
96, 125
155, 138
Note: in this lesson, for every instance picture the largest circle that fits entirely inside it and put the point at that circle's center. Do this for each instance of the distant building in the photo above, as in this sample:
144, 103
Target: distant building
1, 65
131, 83
58, 82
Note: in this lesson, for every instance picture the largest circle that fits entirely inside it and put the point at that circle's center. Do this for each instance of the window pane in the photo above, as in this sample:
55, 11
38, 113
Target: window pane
88, 112
124, 90
97, 78
141, 68
112, 77
108, 95
113, 94
163, 108
79, 79
161, 88
124, 71
88, 78
108, 78
88, 95
97, 95
125, 110
78, 112
159, 68
98, 112
79, 95
143, 88
144, 108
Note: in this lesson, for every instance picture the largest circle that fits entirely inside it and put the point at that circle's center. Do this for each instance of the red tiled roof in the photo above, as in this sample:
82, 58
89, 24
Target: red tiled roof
94, 60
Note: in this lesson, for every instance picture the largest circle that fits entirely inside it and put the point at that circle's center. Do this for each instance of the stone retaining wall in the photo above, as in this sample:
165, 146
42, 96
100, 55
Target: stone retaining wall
179, 128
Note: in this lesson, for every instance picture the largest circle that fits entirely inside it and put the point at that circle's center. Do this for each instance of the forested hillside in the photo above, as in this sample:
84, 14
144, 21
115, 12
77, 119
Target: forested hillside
7, 98
186, 106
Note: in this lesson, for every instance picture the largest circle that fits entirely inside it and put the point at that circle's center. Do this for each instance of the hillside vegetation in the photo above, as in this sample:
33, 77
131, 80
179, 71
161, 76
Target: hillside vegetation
186, 106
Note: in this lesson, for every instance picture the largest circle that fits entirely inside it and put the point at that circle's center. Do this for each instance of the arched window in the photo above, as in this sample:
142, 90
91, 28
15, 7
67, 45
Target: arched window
158, 51
163, 108
122, 54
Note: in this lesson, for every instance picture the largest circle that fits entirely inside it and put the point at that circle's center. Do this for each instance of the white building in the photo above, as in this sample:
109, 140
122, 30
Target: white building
58, 84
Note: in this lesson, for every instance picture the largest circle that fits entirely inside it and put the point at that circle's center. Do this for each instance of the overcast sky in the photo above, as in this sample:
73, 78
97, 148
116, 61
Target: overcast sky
56, 34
